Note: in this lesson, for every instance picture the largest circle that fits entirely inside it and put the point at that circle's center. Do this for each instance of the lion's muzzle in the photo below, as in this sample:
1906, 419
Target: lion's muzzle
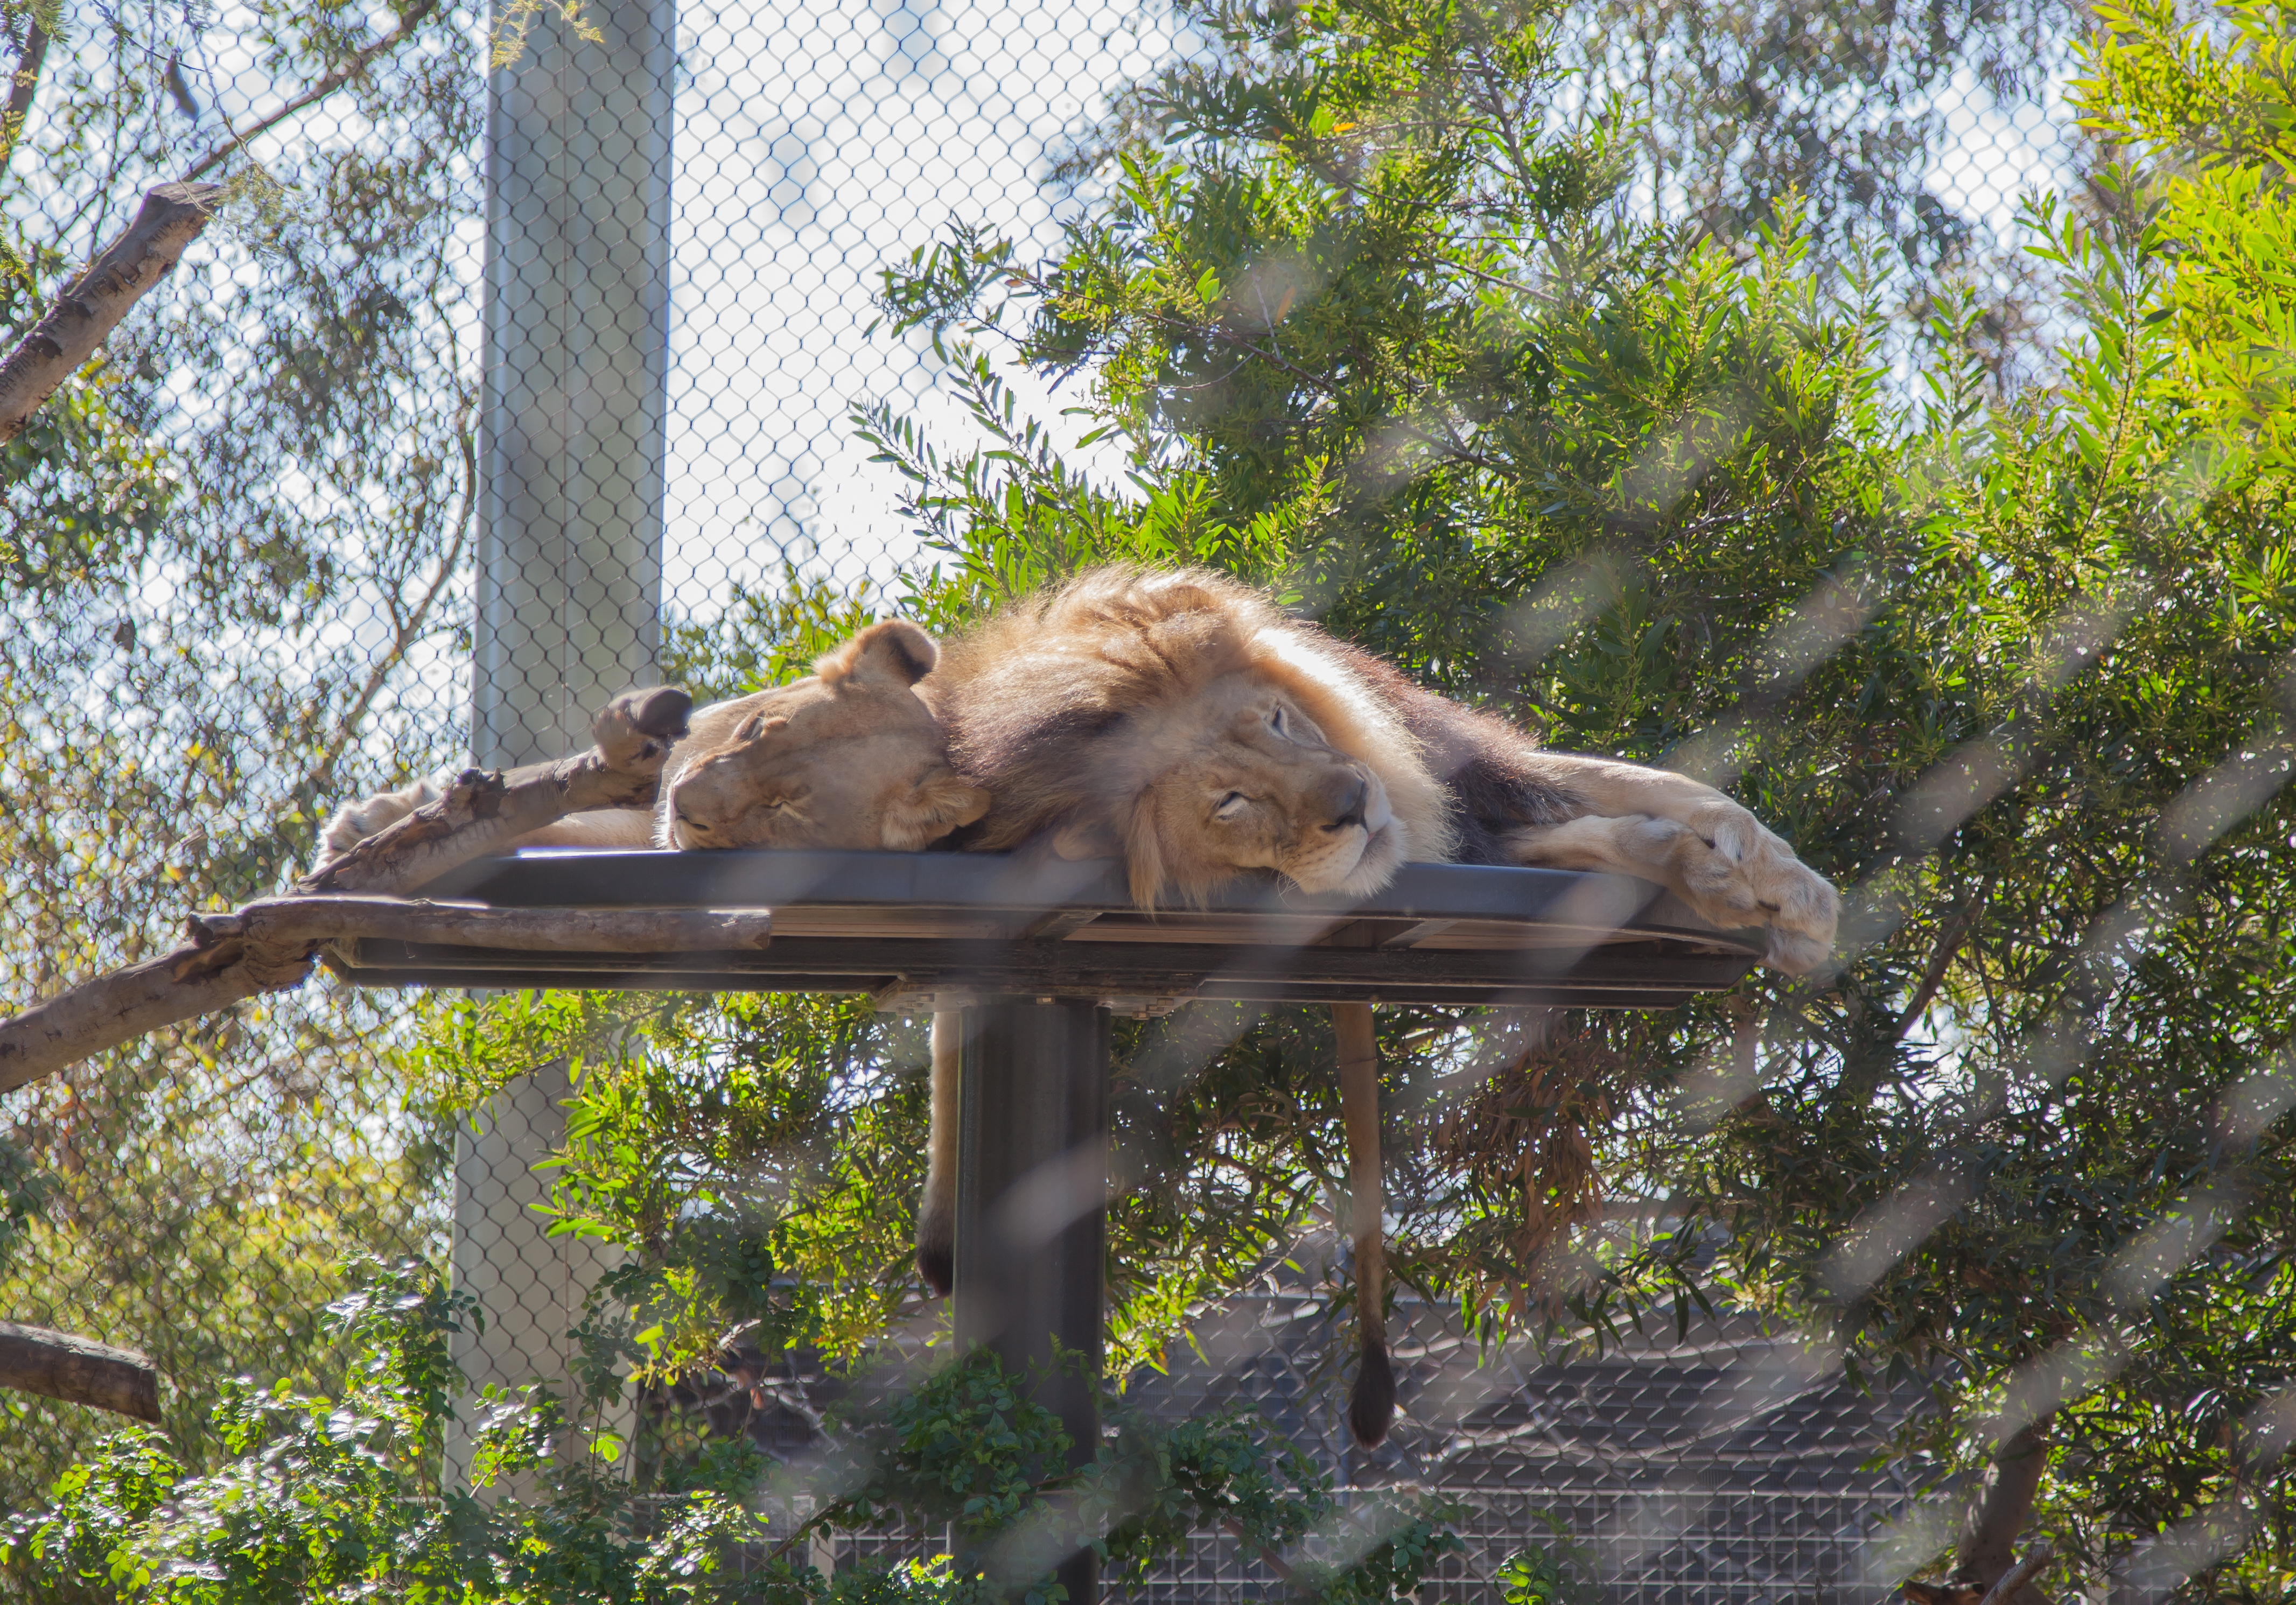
1353, 845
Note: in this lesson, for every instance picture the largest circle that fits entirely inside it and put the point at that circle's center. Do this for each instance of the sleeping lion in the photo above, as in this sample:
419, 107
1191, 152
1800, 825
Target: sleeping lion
1182, 722
847, 757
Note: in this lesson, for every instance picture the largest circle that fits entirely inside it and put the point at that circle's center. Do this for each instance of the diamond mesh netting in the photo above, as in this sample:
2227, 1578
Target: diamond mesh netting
496, 391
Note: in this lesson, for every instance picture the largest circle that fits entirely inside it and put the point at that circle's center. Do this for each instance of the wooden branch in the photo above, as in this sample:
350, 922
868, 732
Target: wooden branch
1952, 932
299, 921
92, 304
2016, 1577
79, 1370
482, 812
271, 947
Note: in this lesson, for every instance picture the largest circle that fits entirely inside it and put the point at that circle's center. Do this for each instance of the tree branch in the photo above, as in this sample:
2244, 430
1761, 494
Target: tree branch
94, 303
482, 812
79, 1370
236, 139
1951, 935
1987, 1552
268, 946
294, 921
2016, 1577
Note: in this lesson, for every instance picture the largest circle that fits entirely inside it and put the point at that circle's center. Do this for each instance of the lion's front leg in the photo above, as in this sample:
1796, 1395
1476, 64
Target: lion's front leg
1718, 859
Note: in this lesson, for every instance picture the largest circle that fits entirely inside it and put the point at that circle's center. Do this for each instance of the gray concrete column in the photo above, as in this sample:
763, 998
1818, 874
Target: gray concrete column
577, 359
576, 356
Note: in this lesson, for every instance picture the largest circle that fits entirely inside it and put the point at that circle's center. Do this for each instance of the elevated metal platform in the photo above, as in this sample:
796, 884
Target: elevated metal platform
917, 926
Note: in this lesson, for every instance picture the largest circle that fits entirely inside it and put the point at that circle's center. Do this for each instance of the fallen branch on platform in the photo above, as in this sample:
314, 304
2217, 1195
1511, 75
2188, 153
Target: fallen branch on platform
268, 946
79, 1370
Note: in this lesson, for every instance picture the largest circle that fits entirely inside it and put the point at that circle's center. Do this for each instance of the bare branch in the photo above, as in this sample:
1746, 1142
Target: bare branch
268, 946
1951, 934
2016, 1577
482, 812
236, 138
299, 922
94, 303
79, 1370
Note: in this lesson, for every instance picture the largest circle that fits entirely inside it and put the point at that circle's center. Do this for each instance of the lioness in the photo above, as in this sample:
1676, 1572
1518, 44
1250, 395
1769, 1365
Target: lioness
1183, 722
847, 757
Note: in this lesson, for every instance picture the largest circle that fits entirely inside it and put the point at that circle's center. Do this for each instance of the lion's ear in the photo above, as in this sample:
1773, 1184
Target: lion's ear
935, 806
895, 651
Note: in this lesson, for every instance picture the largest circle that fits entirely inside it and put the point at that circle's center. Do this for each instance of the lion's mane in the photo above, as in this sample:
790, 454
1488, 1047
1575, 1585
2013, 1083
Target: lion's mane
1039, 705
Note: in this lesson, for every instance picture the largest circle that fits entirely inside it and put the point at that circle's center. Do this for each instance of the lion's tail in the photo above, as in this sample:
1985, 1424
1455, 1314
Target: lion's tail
1372, 1405
937, 1210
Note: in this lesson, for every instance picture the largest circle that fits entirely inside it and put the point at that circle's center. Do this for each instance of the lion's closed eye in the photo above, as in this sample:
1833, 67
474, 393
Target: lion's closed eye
1231, 805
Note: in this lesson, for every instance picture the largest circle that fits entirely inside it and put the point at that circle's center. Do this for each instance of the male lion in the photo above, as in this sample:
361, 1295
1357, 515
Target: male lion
847, 757
1183, 722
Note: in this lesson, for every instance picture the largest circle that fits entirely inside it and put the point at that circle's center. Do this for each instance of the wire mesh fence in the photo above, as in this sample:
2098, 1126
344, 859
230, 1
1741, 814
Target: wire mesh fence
500, 390
1722, 1463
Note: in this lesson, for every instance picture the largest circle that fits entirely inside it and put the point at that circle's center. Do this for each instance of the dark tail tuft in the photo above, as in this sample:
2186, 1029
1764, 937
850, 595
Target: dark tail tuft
1371, 1407
937, 1264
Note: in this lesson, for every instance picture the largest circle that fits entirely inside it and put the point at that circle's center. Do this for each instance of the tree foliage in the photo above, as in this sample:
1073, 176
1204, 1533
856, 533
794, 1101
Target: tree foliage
336, 1499
1365, 324
229, 546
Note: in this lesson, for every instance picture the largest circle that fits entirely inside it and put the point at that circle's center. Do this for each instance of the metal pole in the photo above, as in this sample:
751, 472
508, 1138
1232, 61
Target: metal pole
569, 550
1031, 1217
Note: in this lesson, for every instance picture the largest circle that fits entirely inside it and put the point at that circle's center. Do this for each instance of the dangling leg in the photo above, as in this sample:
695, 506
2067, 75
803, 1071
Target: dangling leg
937, 1211
1372, 1405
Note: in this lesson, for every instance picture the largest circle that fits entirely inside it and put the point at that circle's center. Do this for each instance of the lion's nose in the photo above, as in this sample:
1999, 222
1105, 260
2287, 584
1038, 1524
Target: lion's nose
1345, 800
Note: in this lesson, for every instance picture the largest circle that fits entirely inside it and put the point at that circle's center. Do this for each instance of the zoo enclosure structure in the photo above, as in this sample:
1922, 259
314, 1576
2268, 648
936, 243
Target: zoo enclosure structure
1039, 953
743, 172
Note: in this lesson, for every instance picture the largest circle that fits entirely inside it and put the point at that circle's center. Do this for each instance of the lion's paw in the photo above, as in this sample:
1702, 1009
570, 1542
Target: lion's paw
354, 823
1734, 872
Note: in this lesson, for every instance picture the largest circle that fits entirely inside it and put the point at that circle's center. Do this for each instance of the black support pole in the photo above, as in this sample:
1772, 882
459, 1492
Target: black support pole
1031, 1228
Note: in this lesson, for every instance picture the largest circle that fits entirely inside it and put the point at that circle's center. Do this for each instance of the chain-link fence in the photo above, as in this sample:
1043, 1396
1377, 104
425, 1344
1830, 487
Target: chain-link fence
497, 392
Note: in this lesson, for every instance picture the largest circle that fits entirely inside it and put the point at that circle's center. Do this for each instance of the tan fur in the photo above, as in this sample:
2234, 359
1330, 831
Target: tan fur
1116, 715
847, 757
1372, 1405
937, 1211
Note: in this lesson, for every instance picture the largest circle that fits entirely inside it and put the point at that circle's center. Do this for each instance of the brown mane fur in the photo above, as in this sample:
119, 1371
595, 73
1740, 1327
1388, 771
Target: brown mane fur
1043, 702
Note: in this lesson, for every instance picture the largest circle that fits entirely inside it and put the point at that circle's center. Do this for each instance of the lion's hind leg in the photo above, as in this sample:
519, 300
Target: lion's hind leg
1740, 874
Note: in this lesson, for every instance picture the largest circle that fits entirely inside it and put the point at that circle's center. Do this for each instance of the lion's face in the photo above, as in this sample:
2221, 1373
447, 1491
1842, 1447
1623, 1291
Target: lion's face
1236, 777
849, 757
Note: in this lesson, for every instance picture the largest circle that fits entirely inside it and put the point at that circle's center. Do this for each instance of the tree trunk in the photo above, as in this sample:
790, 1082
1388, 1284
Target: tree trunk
94, 303
79, 1370
22, 87
1989, 1541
